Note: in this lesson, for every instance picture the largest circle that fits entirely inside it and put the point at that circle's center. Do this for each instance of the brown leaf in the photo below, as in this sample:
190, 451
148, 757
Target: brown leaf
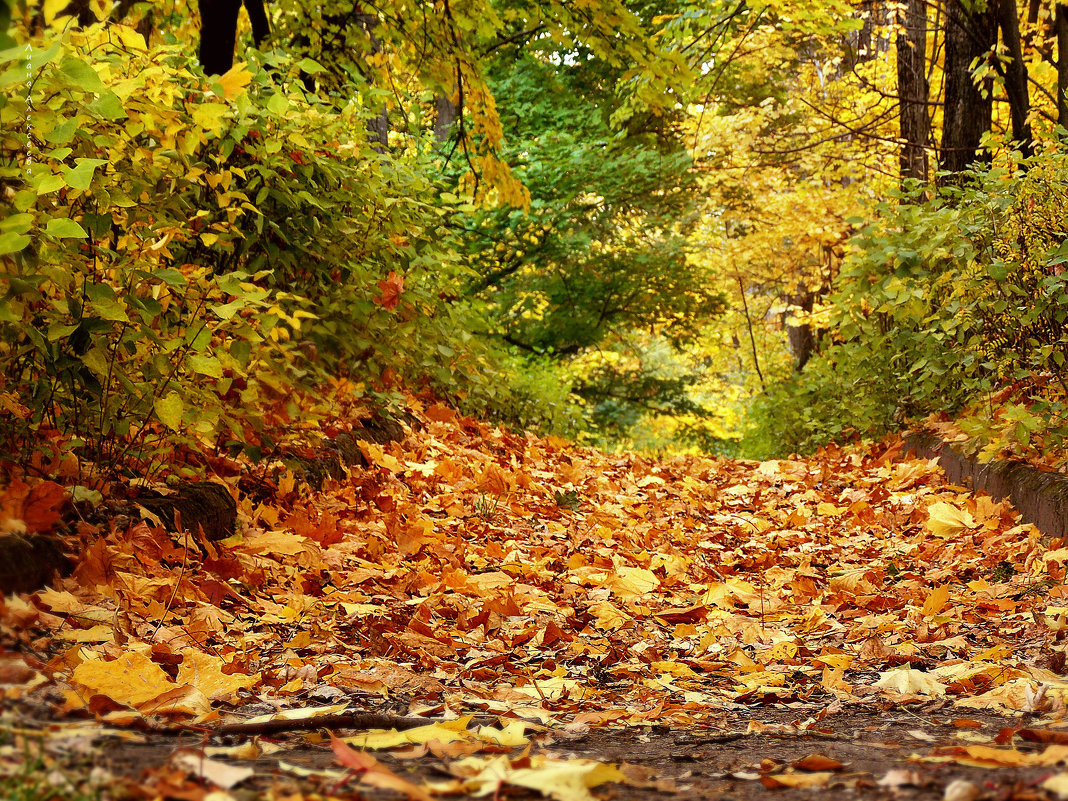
374, 773
818, 762
1043, 736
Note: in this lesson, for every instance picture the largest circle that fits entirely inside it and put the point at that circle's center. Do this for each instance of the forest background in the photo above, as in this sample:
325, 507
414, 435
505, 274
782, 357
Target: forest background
747, 228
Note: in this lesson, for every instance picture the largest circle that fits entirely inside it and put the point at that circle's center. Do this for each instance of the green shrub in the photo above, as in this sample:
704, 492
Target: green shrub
939, 303
176, 252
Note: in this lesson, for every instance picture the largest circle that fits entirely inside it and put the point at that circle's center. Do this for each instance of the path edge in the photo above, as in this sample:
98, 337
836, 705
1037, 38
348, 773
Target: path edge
1040, 496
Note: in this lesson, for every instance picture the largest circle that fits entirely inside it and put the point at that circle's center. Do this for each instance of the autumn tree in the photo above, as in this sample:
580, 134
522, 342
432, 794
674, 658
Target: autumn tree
913, 90
970, 35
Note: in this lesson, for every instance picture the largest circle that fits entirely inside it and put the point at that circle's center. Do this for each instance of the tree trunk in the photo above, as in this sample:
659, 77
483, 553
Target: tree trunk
913, 91
445, 112
218, 31
1062, 65
801, 338
378, 127
1016, 77
970, 36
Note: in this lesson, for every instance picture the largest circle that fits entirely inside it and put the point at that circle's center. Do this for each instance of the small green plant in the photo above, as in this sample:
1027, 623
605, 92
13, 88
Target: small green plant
487, 507
1002, 572
568, 500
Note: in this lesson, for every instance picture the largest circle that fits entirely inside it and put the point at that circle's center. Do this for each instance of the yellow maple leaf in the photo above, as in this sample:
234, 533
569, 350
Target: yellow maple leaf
946, 520
278, 543
234, 80
608, 617
936, 600
133, 679
564, 780
204, 671
631, 582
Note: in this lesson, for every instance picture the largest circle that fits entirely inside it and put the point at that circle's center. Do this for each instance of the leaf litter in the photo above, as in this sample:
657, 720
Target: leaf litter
524, 596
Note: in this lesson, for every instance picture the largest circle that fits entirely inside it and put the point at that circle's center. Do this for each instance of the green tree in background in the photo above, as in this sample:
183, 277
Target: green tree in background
597, 267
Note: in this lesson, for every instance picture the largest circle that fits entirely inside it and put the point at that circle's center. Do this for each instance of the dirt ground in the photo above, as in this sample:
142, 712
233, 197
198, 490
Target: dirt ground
868, 751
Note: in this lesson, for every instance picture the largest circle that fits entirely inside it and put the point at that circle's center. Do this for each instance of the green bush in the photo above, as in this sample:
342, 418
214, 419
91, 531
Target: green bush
176, 251
939, 303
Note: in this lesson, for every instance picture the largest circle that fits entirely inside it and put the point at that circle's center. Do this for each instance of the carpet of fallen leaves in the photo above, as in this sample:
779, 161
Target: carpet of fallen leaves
473, 575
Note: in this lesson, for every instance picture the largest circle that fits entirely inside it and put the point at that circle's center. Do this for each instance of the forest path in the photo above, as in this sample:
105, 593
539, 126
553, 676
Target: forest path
697, 627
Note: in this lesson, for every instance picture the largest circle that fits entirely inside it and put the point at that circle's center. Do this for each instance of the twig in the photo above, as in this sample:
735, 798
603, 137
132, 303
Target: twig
354, 720
716, 739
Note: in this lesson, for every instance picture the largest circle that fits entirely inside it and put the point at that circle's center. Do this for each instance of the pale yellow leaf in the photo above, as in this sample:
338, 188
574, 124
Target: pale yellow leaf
1057, 783
945, 520
632, 582
910, 681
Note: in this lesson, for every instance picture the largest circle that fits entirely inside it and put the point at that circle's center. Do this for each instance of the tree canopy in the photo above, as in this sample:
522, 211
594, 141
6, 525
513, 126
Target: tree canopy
629, 219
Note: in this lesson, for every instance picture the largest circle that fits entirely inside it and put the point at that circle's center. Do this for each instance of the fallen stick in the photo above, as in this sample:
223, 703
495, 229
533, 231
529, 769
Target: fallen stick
354, 720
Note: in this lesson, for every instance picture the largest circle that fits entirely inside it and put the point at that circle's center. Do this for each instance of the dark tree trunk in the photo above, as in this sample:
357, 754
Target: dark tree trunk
218, 31
378, 127
445, 112
802, 338
1062, 65
1016, 77
970, 36
913, 91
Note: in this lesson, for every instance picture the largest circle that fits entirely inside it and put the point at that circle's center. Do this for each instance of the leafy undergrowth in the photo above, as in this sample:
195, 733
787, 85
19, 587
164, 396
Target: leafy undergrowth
1020, 422
474, 571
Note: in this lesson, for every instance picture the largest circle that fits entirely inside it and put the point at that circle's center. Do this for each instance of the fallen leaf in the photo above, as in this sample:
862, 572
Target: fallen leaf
373, 773
132, 679
818, 779
946, 520
817, 762
912, 682
221, 774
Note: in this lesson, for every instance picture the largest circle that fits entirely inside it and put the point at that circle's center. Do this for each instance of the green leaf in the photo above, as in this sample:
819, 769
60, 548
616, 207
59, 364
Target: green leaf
65, 228
13, 242
108, 106
97, 362
62, 133
110, 310
50, 183
278, 104
57, 331
170, 410
310, 67
205, 365
80, 494
170, 277
19, 223
80, 74
81, 176
200, 340
226, 311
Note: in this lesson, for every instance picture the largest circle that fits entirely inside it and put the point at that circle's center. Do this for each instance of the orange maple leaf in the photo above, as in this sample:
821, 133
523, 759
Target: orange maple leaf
392, 288
38, 507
